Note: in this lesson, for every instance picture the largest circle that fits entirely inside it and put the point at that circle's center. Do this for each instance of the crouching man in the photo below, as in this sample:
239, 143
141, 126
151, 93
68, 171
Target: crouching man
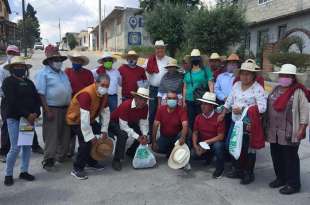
84, 108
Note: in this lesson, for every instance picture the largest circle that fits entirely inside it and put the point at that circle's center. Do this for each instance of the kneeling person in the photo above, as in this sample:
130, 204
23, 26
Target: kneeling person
208, 131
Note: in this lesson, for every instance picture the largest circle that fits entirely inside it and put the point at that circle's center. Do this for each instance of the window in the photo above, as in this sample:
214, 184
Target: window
262, 39
263, 1
282, 31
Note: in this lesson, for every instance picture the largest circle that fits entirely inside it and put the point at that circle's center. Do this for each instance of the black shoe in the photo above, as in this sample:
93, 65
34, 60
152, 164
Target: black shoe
235, 174
117, 165
130, 153
287, 190
8, 181
96, 167
38, 150
248, 178
276, 183
80, 175
218, 173
48, 164
26, 176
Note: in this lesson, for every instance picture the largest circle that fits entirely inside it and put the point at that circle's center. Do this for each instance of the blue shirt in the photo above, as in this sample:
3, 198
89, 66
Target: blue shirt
55, 86
223, 85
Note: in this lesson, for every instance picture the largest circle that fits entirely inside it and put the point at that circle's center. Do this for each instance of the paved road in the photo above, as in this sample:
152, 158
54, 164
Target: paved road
152, 187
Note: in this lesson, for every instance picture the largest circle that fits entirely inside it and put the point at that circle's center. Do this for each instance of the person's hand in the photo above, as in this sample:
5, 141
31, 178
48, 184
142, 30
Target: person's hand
50, 115
301, 134
155, 147
220, 117
94, 140
237, 110
182, 141
31, 118
199, 151
104, 135
143, 140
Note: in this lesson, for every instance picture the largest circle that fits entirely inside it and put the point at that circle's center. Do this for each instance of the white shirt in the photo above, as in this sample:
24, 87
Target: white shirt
115, 80
3, 75
155, 78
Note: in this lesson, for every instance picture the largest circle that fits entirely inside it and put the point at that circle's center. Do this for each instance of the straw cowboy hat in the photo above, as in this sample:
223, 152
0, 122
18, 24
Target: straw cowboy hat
179, 156
77, 56
102, 149
288, 69
51, 53
249, 65
17, 60
12, 48
195, 53
208, 98
233, 57
172, 63
106, 55
130, 53
142, 92
160, 44
215, 56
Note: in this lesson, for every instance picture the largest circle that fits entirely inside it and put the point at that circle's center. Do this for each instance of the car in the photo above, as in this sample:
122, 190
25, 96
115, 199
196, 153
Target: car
38, 45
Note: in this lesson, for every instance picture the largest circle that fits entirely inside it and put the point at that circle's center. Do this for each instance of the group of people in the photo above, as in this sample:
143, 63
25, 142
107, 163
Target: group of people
196, 107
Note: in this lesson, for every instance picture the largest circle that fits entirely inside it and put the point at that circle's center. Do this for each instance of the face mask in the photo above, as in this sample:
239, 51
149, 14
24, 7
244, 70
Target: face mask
102, 90
132, 63
57, 65
108, 65
231, 67
76, 66
172, 103
285, 82
19, 72
196, 62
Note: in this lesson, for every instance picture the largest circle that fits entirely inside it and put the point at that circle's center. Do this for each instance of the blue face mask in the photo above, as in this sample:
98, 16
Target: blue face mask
132, 63
172, 103
76, 67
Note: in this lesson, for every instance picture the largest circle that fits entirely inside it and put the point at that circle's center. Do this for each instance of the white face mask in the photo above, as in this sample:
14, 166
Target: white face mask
102, 90
57, 65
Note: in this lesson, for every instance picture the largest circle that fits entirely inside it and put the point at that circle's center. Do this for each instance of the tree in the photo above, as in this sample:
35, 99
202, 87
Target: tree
149, 5
72, 41
166, 22
216, 29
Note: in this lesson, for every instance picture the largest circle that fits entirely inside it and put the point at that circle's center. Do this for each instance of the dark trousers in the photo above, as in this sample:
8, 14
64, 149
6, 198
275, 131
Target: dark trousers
286, 164
83, 155
166, 144
152, 107
113, 102
122, 137
193, 109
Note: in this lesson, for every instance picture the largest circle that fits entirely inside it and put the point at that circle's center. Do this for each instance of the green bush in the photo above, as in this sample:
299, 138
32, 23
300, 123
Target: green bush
299, 60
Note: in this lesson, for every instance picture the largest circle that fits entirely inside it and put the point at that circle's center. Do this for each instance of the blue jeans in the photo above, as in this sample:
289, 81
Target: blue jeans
152, 106
193, 109
13, 128
113, 102
166, 144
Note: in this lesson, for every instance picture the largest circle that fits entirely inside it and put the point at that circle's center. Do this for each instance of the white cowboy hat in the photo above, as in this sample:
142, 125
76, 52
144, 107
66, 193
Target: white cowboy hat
208, 98
159, 43
17, 60
215, 56
74, 56
179, 156
249, 65
130, 53
172, 63
288, 69
195, 53
106, 54
142, 92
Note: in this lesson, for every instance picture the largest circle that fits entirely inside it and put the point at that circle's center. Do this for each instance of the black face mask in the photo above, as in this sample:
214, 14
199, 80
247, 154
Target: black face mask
19, 72
196, 62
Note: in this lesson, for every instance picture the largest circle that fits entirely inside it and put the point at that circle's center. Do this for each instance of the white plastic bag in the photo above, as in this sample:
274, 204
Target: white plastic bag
144, 158
235, 143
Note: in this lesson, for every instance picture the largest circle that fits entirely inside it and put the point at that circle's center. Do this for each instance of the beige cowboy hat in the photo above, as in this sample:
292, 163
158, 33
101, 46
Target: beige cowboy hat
102, 149
130, 53
249, 65
195, 53
215, 56
77, 56
288, 69
233, 57
51, 52
142, 92
179, 156
172, 63
160, 44
106, 55
208, 98
17, 60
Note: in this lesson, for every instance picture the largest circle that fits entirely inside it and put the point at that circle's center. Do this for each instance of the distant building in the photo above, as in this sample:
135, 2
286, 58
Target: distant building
64, 45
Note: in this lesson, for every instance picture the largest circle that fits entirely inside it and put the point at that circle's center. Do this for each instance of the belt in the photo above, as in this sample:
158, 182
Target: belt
59, 107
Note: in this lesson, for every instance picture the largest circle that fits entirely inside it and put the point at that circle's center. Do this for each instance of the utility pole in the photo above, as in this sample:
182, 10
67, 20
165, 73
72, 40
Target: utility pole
24, 30
59, 26
100, 29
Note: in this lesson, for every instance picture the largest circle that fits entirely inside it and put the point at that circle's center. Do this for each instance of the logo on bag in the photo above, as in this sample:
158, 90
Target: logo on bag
142, 154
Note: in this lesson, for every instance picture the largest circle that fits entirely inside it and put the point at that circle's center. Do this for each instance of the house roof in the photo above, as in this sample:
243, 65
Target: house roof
7, 5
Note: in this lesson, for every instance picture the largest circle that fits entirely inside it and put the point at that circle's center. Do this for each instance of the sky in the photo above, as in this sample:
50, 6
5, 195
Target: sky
74, 15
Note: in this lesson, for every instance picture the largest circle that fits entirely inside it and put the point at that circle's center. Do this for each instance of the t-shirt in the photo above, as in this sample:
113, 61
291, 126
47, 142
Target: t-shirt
127, 113
170, 123
130, 77
208, 128
79, 79
194, 79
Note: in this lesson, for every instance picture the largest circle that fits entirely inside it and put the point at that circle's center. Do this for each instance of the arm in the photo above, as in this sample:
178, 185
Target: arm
85, 125
304, 115
124, 126
144, 126
261, 100
211, 86
219, 137
184, 132
155, 129
105, 116
218, 90
184, 95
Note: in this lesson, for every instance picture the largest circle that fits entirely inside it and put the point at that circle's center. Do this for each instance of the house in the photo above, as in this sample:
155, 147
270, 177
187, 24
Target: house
8, 29
122, 29
64, 44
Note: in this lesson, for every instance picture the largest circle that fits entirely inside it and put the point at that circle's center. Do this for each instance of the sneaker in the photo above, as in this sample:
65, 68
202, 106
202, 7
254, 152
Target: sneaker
26, 176
217, 173
277, 183
38, 150
96, 167
8, 181
117, 165
80, 175
48, 164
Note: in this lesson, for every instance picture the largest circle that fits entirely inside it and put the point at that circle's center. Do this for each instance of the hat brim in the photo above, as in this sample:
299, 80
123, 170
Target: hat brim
9, 66
253, 71
83, 58
140, 95
173, 66
172, 164
62, 58
207, 101
286, 73
100, 61
161, 46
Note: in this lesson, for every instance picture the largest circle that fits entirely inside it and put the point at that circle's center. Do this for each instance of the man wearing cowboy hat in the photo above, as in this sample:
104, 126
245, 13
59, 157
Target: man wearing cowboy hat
130, 119
84, 108
107, 65
133, 76
215, 65
209, 133
55, 91
79, 78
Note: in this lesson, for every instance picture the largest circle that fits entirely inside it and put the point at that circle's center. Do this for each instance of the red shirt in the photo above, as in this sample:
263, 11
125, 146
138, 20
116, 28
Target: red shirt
170, 123
130, 77
128, 114
100, 70
79, 79
208, 128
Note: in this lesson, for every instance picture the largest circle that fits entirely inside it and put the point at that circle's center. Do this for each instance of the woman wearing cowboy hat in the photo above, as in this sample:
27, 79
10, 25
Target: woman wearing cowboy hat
288, 116
23, 102
247, 93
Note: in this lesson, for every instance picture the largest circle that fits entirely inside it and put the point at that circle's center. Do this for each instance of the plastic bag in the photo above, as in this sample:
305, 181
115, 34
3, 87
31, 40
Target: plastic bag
235, 143
144, 158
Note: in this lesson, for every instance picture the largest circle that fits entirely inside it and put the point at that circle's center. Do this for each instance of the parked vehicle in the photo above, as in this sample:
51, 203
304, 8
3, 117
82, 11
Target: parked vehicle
38, 45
